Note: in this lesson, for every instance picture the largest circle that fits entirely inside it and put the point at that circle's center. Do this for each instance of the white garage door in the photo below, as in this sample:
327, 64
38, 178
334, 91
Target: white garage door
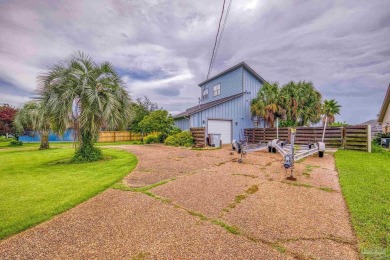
223, 127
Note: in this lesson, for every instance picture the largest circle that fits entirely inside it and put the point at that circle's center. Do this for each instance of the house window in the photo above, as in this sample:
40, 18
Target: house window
217, 90
205, 93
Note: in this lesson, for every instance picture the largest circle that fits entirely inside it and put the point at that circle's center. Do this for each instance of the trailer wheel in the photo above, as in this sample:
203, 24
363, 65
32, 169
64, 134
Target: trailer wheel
273, 149
320, 153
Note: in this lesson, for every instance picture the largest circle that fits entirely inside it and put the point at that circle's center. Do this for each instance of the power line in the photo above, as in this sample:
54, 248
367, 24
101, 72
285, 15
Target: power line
216, 39
221, 34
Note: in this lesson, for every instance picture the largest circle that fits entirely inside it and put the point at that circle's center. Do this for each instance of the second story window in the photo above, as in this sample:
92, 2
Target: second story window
205, 94
217, 90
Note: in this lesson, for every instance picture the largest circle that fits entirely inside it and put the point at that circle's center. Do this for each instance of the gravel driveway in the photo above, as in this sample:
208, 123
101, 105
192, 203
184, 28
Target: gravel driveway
189, 204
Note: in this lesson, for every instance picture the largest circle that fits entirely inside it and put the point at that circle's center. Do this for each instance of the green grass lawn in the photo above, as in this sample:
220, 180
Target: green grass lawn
5, 145
36, 185
365, 182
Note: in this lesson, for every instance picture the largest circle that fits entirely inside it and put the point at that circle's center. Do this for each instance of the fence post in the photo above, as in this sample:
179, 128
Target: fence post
369, 138
344, 138
114, 137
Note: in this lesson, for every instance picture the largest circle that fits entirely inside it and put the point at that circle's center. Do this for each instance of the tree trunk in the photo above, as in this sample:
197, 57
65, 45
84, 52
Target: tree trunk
44, 140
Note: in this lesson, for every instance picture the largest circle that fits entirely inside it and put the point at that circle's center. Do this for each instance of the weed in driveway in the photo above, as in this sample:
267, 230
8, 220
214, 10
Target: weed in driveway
122, 186
253, 189
232, 229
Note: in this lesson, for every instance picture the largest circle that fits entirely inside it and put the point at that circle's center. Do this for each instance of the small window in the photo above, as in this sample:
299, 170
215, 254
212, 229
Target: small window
205, 93
217, 90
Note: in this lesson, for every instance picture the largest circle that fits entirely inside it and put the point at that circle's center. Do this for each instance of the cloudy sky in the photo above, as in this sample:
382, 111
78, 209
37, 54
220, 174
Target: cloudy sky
162, 48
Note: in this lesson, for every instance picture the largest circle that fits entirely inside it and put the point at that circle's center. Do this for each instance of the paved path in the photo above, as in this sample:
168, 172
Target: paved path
205, 206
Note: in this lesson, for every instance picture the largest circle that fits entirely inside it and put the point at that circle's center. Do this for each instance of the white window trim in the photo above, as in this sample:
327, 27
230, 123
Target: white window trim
217, 90
205, 94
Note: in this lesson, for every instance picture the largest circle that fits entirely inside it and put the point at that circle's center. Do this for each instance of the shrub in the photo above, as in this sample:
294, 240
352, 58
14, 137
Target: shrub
87, 153
378, 136
151, 139
376, 148
174, 130
180, 139
3, 139
16, 143
161, 137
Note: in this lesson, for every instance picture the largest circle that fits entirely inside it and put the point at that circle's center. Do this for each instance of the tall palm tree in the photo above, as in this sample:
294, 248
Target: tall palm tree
34, 116
330, 108
88, 96
302, 102
267, 103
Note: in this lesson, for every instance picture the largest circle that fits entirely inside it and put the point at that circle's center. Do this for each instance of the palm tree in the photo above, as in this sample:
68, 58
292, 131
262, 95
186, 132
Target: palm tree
267, 103
33, 116
302, 102
88, 96
330, 108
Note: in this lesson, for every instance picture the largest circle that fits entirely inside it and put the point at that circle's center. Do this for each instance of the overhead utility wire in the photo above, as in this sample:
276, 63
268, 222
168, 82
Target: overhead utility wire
220, 35
216, 39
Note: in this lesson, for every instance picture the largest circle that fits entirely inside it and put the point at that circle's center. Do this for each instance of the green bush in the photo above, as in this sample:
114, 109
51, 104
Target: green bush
181, 139
174, 130
151, 139
87, 153
3, 139
378, 136
15, 143
161, 137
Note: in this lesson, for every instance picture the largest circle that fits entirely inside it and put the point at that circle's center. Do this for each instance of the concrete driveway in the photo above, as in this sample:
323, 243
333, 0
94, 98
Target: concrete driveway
188, 204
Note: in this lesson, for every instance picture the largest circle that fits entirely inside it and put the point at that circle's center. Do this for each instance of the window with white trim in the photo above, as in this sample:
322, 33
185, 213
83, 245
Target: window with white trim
217, 90
205, 93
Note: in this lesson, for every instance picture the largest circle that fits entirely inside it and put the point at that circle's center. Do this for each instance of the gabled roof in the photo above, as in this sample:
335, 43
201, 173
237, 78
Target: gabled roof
385, 105
198, 108
241, 64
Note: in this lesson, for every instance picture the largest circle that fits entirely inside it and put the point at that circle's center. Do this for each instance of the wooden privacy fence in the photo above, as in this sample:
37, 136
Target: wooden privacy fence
199, 135
117, 136
346, 137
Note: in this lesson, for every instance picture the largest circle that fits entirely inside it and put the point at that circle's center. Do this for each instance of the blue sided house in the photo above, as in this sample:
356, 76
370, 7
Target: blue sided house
224, 106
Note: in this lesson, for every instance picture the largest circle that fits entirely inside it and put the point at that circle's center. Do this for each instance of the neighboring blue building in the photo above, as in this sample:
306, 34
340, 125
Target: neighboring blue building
34, 137
224, 106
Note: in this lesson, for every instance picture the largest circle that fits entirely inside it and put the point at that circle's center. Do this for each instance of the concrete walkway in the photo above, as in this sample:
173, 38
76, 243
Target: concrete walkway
202, 205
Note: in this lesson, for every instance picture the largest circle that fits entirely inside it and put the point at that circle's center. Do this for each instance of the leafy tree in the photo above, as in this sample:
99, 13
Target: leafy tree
33, 116
7, 115
267, 103
330, 108
157, 121
88, 96
302, 103
140, 108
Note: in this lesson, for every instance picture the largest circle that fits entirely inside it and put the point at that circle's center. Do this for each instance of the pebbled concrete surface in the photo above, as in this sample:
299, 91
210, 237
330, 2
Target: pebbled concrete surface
215, 208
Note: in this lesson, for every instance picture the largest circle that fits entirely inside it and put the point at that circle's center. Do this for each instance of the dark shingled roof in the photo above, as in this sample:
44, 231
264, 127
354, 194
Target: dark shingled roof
196, 109
243, 64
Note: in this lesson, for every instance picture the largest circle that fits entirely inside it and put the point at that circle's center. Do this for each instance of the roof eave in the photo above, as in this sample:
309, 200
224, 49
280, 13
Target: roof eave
385, 104
241, 64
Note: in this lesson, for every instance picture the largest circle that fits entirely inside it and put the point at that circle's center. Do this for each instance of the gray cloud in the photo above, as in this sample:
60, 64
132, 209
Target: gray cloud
163, 48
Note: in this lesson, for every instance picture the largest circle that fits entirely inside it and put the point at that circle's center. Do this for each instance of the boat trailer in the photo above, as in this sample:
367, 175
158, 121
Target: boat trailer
292, 152
242, 147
